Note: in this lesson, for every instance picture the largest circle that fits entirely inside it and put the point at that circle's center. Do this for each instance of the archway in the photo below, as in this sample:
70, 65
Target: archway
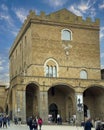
31, 100
53, 110
93, 98
64, 98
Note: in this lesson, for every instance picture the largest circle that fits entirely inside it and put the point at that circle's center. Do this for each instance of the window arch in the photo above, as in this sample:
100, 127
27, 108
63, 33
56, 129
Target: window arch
50, 68
47, 70
54, 71
83, 74
66, 35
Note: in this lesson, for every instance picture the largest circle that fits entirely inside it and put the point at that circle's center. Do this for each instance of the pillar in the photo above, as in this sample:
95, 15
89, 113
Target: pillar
14, 113
19, 104
43, 106
79, 108
23, 110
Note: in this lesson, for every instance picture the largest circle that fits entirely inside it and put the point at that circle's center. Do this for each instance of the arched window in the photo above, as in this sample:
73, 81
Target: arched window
51, 68
51, 71
66, 35
54, 71
83, 74
47, 71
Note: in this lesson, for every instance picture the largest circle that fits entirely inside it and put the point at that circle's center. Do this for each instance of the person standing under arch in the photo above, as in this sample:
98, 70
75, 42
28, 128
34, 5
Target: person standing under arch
88, 124
40, 122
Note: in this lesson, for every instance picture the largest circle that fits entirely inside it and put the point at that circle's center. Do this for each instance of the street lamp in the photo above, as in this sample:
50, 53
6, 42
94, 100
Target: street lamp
80, 102
79, 105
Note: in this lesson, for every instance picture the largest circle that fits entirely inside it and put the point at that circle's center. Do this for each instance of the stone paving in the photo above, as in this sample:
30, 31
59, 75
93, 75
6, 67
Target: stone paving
44, 127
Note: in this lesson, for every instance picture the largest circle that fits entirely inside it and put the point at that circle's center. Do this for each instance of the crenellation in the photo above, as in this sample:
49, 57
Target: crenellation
88, 20
42, 14
32, 13
51, 16
59, 17
97, 21
79, 19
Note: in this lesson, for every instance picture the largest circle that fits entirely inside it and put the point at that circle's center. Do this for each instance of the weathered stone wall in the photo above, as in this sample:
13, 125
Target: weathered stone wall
39, 40
3, 98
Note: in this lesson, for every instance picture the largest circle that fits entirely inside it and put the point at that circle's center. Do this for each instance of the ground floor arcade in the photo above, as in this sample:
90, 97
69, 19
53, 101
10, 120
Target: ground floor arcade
61, 99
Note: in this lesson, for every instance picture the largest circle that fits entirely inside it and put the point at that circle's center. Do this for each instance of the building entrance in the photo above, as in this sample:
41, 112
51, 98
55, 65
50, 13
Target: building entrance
61, 101
53, 110
93, 102
31, 100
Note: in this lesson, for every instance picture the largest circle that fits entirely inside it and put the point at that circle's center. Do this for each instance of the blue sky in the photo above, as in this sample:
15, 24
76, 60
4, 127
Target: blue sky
14, 12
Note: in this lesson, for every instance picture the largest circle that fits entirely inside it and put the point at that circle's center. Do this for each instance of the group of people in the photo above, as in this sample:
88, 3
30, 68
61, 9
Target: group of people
4, 121
34, 123
97, 124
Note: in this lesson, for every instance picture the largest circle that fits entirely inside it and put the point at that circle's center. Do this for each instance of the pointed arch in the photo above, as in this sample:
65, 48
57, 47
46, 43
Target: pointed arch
51, 68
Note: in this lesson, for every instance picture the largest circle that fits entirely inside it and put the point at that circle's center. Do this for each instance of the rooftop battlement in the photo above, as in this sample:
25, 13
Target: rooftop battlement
60, 17
64, 16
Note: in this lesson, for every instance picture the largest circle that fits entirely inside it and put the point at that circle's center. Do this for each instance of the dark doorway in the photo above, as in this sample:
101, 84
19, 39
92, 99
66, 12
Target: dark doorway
31, 100
85, 111
53, 110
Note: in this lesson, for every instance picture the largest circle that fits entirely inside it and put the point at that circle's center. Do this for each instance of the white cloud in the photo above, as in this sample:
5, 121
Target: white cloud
84, 8
102, 33
102, 66
4, 7
4, 14
1, 68
21, 13
1, 61
75, 10
101, 6
102, 55
55, 3
9, 23
7, 18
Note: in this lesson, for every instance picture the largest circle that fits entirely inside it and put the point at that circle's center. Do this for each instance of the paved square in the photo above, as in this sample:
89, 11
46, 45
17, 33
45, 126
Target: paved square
44, 127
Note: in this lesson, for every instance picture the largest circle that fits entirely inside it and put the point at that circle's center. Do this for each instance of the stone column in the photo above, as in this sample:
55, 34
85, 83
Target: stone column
43, 106
20, 106
79, 108
23, 111
14, 106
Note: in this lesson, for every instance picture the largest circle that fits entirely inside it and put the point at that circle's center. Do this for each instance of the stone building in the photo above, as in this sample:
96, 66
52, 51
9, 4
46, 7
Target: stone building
55, 68
3, 97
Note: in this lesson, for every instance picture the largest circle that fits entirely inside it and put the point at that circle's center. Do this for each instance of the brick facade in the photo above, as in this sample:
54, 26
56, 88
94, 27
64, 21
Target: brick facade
39, 45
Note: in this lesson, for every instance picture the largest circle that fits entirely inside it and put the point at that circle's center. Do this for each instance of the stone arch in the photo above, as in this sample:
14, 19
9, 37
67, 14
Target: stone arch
32, 82
54, 62
63, 84
93, 96
69, 38
32, 93
64, 97
83, 74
